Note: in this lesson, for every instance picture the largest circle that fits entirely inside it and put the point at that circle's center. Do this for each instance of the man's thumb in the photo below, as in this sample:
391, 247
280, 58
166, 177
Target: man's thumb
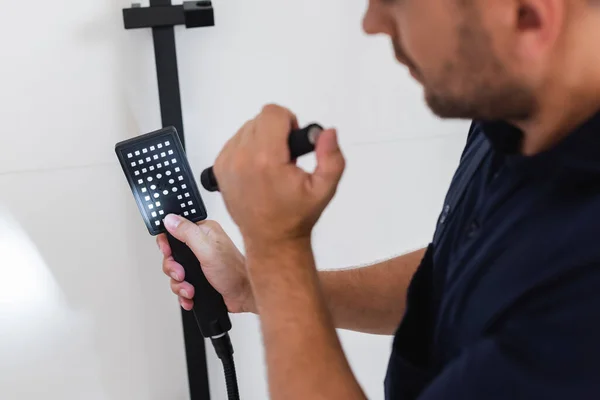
187, 232
330, 161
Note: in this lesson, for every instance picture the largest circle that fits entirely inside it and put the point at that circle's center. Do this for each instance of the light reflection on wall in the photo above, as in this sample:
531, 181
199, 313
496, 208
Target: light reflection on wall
46, 349
25, 282
30, 300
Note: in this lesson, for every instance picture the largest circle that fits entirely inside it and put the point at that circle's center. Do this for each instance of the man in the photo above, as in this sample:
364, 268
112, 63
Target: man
503, 303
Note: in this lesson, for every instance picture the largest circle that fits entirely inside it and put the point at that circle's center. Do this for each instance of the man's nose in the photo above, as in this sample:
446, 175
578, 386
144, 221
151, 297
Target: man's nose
375, 22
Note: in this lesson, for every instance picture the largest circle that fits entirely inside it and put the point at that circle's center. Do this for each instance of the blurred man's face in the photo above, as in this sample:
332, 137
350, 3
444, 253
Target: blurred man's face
460, 51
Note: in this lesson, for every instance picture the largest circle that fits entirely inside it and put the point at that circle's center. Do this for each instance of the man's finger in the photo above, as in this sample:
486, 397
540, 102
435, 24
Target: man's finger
182, 289
173, 269
330, 162
273, 127
186, 304
163, 245
245, 136
194, 236
227, 155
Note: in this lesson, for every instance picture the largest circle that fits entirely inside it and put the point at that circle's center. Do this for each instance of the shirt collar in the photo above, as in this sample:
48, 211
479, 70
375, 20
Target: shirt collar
578, 152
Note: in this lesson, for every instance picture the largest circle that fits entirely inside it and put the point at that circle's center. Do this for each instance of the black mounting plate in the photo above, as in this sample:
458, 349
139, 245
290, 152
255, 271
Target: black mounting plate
192, 14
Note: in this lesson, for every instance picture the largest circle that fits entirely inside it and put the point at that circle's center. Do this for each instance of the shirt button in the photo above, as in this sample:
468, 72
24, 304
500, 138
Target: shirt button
445, 214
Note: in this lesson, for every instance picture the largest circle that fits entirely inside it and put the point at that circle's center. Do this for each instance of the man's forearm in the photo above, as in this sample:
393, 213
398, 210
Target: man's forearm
304, 357
370, 299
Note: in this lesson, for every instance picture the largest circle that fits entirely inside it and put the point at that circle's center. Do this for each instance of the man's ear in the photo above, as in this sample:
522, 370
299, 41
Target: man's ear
538, 25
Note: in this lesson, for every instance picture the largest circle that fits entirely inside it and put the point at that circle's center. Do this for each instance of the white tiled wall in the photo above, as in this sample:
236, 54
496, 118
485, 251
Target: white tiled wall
85, 312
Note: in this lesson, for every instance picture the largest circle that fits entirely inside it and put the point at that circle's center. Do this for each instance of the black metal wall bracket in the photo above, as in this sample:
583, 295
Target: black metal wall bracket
192, 14
162, 17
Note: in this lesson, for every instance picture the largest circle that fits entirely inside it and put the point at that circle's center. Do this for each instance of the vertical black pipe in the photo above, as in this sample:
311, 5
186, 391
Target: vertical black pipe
168, 76
170, 107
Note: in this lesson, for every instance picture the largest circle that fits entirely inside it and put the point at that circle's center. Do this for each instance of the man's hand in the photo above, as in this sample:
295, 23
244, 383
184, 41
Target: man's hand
276, 204
222, 263
268, 196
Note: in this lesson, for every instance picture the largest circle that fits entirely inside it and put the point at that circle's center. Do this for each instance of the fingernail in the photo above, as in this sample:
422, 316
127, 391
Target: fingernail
174, 276
183, 293
172, 221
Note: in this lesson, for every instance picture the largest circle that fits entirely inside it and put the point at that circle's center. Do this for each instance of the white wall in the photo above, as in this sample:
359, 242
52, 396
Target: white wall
85, 312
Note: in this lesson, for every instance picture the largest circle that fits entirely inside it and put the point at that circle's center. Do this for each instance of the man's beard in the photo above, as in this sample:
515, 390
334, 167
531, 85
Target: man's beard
483, 98
475, 85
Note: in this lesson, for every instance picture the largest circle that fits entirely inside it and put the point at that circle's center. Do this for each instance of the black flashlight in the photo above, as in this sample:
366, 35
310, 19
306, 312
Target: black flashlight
300, 142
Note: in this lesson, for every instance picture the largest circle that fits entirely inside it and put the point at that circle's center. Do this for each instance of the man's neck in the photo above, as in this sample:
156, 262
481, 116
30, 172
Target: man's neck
562, 114
572, 96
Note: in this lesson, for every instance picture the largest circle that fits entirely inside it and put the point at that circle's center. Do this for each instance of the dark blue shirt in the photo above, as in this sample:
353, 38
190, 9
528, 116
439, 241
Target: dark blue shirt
506, 302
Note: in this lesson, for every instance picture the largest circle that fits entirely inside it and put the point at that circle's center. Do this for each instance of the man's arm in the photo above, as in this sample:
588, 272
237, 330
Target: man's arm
298, 309
367, 299
275, 204
370, 299
304, 357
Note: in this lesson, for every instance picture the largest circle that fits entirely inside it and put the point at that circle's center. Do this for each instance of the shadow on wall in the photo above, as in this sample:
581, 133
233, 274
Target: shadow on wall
46, 348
